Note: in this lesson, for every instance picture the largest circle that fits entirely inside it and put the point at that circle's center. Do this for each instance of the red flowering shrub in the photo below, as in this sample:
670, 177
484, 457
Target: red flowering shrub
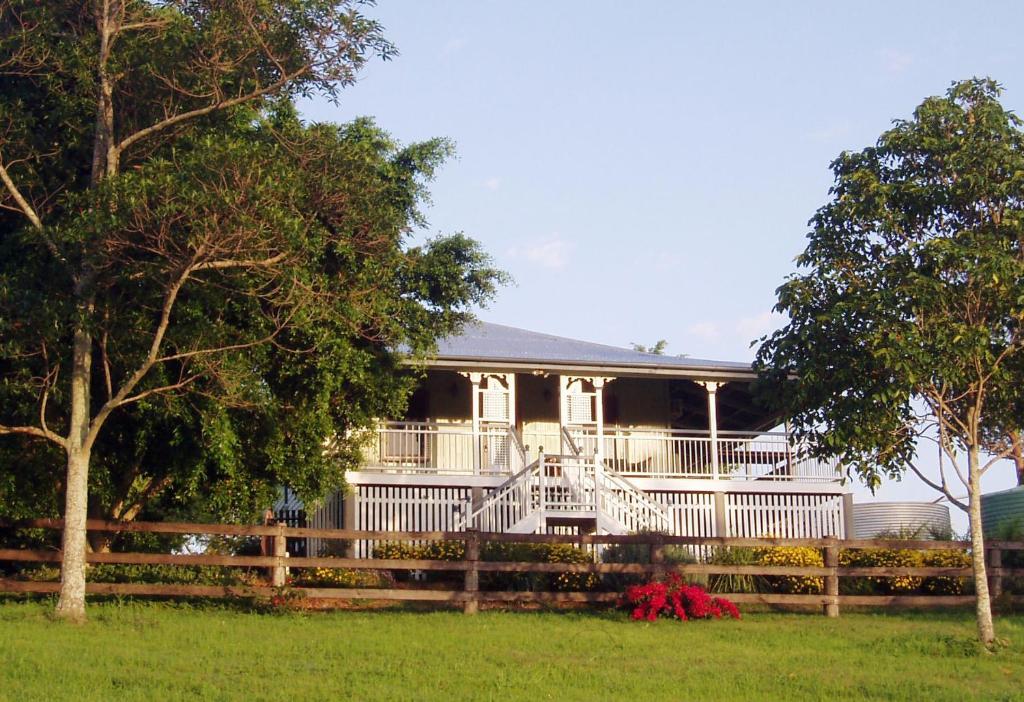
673, 597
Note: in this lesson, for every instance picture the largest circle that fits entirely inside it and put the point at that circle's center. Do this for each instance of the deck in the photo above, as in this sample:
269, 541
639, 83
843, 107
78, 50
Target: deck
453, 449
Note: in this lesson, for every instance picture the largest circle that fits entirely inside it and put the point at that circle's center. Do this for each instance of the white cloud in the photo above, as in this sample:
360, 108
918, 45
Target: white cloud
753, 327
742, 330
492, 183
550, 253
895, 61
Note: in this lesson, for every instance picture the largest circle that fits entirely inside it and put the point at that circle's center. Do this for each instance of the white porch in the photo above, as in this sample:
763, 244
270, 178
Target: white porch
496, 423
455, 448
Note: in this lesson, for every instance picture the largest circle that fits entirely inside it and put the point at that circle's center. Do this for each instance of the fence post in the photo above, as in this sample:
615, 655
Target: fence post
472, 583
280, 551
995, 578
832, 579
657, 556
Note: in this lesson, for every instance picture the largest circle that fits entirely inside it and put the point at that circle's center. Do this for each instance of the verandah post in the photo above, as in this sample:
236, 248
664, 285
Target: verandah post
472, 581
832, 579
712, 390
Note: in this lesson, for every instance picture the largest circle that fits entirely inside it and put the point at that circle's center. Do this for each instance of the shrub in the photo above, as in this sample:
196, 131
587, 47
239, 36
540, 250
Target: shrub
430, 551
537, 553
153, 574
335, 548
531, 553
882, 558
791, 556
674, 598
639, 553
341, 577
733, 555
945, 559
39, 574
1012, 530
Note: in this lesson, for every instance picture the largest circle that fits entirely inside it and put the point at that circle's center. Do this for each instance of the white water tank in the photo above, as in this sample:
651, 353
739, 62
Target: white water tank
925, 519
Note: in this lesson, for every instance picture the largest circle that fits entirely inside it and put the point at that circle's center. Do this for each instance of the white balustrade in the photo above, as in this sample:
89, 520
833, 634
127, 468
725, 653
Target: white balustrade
442, 449
449, 449
666, 453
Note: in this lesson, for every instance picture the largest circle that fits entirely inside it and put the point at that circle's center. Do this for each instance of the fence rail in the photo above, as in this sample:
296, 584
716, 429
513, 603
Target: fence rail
276, 561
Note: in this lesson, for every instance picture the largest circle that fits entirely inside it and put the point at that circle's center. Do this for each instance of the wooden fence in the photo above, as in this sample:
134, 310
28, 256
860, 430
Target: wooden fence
276, 561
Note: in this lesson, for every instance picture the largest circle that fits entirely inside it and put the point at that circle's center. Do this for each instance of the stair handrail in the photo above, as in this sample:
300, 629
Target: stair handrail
622, 483
496, 494
516, 439
569, 441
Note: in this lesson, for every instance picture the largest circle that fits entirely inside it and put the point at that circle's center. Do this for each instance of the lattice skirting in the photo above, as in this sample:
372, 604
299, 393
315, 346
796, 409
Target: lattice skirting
747, 515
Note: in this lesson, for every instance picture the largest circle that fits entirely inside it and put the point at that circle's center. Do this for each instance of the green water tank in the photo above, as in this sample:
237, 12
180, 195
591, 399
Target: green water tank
1001, 508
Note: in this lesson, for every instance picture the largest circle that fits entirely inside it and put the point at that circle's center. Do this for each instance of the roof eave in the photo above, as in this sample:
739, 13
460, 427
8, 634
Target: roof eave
739, 372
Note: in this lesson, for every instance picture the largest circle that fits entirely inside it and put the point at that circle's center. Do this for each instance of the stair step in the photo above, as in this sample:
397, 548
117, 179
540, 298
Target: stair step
586, 525
571, 518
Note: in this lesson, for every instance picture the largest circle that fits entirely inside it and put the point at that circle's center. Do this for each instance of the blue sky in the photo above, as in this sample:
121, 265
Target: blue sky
647, 170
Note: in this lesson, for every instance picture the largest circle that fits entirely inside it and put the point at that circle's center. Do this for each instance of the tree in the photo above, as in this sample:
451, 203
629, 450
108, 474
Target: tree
180, 253
906, 324
657, 348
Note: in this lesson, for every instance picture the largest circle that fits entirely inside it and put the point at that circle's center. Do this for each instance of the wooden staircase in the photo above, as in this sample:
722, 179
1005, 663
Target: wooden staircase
565, 491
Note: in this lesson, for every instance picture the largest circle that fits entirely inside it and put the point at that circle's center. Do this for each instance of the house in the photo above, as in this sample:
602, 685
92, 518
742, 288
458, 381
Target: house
517, 431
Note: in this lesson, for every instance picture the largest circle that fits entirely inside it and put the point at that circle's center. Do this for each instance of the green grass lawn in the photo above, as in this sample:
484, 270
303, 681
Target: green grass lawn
140, 651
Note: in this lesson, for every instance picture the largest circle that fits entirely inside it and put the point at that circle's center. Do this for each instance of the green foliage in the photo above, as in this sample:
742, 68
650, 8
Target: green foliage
639, 553
429, 551
907, 309
905, 321
1012, 530
537, 553
882, 558
528, 553
905, 558
340, 577
945, 559
799, 556
728, 583
154, 574
657, 348
281, 250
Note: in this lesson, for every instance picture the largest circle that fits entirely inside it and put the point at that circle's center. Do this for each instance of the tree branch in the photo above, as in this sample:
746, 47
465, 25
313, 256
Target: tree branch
936, 486
151, 358
47, 384
19, 198
163, 388
202, 111
252, 263
152, 488
107, 378
123, 395
36, 432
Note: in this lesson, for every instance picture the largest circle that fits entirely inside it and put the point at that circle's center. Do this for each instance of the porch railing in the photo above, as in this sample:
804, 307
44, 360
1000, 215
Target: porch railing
452, 449
667, 453
443, 449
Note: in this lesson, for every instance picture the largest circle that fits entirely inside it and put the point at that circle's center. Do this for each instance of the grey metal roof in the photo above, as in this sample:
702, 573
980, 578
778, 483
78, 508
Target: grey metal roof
496, 343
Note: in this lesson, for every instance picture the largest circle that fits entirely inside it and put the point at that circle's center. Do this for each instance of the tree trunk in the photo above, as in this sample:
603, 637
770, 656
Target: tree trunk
983, 602
71, 605
1018, 455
